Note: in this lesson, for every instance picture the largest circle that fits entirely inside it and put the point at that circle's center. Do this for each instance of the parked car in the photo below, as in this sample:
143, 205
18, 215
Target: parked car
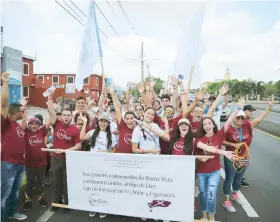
226, 113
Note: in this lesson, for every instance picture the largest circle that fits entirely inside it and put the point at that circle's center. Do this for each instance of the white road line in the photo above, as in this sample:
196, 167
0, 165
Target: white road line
45, 216
246, 205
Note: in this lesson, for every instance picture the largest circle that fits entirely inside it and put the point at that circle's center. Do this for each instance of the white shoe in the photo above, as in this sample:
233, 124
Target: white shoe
144, 218
235, 197
102, 215
18, 216
91, 214
229, 207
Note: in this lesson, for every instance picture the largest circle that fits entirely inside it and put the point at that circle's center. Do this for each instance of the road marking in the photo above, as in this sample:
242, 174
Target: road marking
246, 205
45, 216
275, 137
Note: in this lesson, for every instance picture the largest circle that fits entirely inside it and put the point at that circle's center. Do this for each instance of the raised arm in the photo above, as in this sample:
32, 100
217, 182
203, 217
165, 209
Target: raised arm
5, 94
255, 122
223, 90
156, 130
102, 100
23, 108
187, 110
116, 104
174, 99
51, 109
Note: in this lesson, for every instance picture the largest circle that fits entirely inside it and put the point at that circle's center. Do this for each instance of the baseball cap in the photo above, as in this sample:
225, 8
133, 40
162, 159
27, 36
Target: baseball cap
248, 107
104, 116
184, 120
240, 113
40, 117
33, 119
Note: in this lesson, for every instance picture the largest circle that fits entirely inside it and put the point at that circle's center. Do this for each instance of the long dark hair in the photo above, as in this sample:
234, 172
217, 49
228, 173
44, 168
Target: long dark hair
202, 132
188, 142
96, 133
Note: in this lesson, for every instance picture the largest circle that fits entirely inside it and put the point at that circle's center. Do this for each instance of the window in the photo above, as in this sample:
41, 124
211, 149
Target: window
97, 80
55, 79
25, 91
70, 79
41, 78
86, 81
25, 69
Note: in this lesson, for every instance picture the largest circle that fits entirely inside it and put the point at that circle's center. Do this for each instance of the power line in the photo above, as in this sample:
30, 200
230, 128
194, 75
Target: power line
69, 13
78, 8
110, 7
120, 4
73, 10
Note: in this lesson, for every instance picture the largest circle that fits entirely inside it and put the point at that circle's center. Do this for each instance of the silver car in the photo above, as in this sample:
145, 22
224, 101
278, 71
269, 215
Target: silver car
226, 113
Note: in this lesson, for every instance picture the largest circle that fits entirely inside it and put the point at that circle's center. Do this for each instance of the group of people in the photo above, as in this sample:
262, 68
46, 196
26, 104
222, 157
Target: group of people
169, 124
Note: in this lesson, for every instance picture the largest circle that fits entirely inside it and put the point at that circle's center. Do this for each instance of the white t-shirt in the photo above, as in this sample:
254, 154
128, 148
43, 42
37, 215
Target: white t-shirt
217, 116
151, 141
101, 141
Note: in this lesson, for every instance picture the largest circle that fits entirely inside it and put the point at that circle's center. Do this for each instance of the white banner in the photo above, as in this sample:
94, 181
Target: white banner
146, 186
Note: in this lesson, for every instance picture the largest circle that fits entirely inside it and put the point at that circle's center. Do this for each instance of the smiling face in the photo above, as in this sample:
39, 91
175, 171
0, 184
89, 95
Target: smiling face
249, 113
66, 117
198, 114
103, 124
239, 121
165, 102
129, 120
208, 126
139, 111
34, 127
156, 105
149, 115
184, 129
80, 104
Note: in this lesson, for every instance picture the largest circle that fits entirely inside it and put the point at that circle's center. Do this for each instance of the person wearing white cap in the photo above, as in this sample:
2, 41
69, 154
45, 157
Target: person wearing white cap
209, 143
238, 138
102, 140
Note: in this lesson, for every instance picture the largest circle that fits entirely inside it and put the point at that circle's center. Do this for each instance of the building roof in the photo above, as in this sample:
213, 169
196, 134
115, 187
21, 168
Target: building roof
61, 73
29, 57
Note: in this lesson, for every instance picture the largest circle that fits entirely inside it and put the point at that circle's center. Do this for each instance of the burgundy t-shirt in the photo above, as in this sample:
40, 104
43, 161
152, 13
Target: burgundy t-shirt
125, 145
211, 165
12, 141
64, 137
232, 136
178, 148
34, 157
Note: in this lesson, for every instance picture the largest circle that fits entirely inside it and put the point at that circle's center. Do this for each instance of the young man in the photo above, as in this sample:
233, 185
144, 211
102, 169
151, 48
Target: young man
12, 153
66, 136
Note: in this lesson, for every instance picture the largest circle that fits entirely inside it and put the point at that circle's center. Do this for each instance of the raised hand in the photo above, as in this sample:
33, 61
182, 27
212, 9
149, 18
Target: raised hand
5, 77
199, 95
224, 89
241, 102
173, 81
111, 89
24, 101
152, 83
83, 118
141, 88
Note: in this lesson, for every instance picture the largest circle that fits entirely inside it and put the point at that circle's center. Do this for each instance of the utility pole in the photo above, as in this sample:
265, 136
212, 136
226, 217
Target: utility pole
142, 62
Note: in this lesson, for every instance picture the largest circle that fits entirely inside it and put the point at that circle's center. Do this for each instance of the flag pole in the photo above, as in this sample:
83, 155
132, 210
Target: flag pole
190, 79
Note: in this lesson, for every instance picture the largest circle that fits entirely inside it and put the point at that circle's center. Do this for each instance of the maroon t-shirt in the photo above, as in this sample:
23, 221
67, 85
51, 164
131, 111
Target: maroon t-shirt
125, 145
211, 165
64, 137
178, 148
233, 135
34, 157
12, 141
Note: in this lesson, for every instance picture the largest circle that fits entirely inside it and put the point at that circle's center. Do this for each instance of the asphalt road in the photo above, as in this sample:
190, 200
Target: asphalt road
263, 193
276, 107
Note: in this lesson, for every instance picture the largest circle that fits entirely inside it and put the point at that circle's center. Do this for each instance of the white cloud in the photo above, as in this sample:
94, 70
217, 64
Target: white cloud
230, 39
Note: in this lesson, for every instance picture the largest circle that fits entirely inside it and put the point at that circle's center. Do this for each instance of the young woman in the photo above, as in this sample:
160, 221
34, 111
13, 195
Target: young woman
238, 138
209, 141
35, 161
102, 140
139, 110
145, 137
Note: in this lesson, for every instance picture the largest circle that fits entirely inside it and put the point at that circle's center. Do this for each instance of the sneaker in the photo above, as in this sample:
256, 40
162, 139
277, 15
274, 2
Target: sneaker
229, 207
144, 218
102, 215
27, 205
203, 218
91, 214
244, 183
43, 202
236, 198
18, 216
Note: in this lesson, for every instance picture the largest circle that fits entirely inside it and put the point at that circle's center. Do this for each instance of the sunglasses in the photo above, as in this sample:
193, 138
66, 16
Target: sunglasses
240, 117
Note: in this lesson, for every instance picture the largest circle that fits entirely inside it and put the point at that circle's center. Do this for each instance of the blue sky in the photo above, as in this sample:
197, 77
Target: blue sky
242, 36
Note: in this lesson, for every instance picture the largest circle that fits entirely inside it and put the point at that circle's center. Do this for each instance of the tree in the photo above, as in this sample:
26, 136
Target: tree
277, 84
158, 85
270, 89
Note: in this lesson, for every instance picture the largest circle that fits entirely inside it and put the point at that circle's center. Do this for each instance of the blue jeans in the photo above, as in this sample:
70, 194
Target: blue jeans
233, 178
11, 177
208, 186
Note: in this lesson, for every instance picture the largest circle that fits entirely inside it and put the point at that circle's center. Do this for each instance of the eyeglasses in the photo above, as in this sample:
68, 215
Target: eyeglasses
240, 117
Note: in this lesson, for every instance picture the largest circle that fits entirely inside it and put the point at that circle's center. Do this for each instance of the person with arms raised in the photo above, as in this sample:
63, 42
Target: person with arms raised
12, 152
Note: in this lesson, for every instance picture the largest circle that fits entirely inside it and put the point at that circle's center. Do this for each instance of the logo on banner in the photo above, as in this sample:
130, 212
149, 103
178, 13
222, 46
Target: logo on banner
96, 200
34, 140
158, 203
20, 131
62, 135
127, 139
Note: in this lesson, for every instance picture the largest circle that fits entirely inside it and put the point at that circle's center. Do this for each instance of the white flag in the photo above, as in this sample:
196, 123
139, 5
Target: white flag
91, 50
